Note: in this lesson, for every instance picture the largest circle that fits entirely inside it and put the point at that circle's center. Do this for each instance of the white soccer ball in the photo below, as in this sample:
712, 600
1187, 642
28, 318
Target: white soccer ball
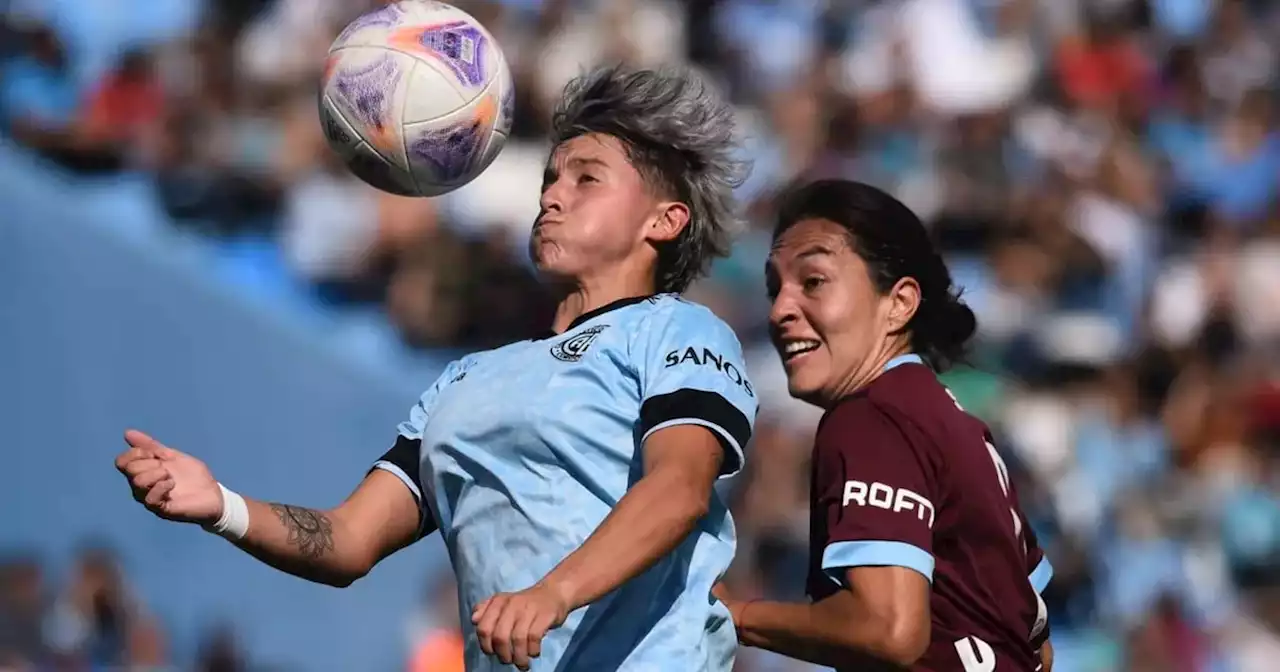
416, 98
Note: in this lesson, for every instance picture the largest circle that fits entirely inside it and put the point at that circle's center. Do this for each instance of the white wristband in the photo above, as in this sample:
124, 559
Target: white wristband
234, 522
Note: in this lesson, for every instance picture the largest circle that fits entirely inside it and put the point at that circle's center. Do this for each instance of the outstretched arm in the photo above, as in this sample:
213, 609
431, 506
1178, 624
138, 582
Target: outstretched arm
334, 546
338, 545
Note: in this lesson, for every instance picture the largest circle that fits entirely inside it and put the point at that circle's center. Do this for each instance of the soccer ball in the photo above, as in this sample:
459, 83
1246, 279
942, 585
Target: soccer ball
416, 98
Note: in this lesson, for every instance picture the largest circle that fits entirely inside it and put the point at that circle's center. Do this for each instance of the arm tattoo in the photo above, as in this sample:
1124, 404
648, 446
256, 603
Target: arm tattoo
310, 531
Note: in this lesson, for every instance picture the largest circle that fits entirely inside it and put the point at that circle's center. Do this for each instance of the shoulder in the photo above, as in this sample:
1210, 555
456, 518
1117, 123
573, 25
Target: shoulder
912, 394
851, 418
864, 424
457, 369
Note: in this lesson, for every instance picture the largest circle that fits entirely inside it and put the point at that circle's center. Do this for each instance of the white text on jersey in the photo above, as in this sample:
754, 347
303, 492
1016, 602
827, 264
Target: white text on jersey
887, 497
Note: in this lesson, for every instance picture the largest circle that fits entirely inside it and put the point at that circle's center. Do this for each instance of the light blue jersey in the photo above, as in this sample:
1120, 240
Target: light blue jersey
519, 453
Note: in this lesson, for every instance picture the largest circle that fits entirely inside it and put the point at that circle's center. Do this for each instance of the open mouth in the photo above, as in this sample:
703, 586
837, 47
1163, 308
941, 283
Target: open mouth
793, 350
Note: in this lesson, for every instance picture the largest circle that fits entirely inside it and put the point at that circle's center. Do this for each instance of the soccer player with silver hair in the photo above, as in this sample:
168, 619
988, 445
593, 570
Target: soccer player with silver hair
571, 475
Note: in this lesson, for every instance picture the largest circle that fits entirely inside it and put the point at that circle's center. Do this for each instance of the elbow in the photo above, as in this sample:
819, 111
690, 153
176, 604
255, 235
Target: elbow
357, 570
350, 575
903, 641
347, 571
690, 507
906, 647
344, 577
896, 639
353, 552
343, 581
698, 507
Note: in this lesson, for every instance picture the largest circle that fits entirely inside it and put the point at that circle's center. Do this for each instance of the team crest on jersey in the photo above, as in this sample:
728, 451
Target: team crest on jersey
573, 348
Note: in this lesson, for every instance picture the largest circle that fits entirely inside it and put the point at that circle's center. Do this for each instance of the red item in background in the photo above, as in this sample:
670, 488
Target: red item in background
1264, 408
1099, 75
127, 102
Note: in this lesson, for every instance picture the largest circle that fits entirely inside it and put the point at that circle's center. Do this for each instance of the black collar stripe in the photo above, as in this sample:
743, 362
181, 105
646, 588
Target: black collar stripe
592, 314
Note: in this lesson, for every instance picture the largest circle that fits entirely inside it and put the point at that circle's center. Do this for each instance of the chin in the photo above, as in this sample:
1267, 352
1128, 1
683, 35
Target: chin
552, 273
806, 391
544, 260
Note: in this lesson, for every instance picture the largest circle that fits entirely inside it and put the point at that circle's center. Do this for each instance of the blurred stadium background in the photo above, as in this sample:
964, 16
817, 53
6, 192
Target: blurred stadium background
179, 252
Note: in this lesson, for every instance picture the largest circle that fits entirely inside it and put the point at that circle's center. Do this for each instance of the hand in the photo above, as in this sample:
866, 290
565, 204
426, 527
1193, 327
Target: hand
1046, 657
511, 625
721, 592
735, 606
172, 485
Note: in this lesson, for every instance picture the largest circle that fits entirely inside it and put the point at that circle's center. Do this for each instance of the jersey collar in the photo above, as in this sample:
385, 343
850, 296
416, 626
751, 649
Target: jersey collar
909, 358
592, 314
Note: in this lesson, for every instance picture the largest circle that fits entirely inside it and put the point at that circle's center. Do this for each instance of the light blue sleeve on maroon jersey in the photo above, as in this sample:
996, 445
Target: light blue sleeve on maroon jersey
842, 555
1041, 575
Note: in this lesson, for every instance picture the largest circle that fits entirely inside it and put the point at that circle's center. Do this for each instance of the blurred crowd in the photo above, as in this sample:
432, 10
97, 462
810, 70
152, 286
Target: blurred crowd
1101, 174
92, 621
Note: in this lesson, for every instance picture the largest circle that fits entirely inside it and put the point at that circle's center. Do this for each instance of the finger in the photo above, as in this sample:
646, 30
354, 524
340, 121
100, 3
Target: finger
502, 639
130, 455
138, 439
523, 623
537, 631
142, 466
484, 629
144, 442
146, 480
478, 613
159, 493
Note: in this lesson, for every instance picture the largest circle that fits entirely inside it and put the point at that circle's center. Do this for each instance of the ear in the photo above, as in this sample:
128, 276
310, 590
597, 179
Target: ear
904, 300
672, 217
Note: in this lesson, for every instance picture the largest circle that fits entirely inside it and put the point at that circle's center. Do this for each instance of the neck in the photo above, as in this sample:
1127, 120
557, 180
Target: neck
872, 367
583, 295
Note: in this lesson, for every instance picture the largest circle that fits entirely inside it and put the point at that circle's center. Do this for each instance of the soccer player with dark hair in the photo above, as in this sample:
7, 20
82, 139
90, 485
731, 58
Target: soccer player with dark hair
575, 470
920, 557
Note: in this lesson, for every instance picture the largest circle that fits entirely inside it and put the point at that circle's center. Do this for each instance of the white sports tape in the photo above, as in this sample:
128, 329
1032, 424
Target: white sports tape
234, 522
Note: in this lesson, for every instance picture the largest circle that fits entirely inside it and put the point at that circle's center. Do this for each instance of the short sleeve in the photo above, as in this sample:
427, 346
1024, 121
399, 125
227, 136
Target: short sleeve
1039, 570
404, 458
878, 492
691, 372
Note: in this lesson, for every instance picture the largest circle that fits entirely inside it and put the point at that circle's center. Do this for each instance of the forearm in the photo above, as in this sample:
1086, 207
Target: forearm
311, 544
335, 546
654, 517
816, 633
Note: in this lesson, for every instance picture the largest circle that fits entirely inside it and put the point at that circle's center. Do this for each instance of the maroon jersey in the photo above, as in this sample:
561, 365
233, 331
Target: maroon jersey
902, 476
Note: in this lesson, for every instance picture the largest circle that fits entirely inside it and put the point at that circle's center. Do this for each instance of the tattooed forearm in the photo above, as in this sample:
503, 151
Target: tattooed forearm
310, 531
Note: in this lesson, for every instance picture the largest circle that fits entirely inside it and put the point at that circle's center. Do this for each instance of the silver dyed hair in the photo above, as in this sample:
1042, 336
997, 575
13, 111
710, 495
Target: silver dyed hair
680, 134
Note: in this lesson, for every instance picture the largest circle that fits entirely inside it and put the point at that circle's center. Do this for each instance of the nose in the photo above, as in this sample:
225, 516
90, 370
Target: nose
552, 199
783, 311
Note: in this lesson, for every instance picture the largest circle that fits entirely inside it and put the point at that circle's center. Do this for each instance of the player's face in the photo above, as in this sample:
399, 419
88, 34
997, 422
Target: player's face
595, 208
829, 323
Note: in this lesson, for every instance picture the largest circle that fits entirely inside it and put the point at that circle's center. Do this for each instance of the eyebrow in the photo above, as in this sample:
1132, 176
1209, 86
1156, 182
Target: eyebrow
817, 250
813, 250
550, 173
580, 161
